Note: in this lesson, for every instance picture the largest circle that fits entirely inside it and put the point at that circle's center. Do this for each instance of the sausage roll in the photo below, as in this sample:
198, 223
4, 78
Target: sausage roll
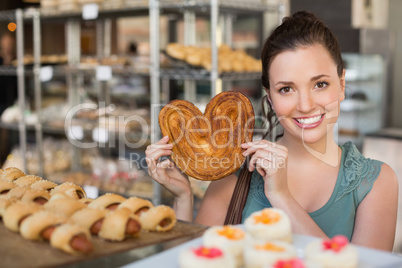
6, 186
5, 202
86, 201
71, 238
70, 189
40, 225
90, 218
67, 207
160, 219
108, 201
17, 212
27, 180
119, 224
11, 174
37, 196
44, 185
137, 205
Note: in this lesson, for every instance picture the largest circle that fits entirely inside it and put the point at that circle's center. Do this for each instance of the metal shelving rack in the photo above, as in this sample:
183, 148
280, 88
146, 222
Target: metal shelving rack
219, 12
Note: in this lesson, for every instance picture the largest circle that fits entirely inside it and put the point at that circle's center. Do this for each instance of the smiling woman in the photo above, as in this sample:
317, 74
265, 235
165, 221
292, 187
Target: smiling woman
326, 189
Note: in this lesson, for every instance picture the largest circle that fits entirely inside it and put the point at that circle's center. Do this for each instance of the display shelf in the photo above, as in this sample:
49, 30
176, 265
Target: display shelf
202, 74
224, 5
7, 15
8, 71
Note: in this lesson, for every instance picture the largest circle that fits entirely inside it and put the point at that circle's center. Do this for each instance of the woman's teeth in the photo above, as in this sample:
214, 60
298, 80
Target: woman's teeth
310, 120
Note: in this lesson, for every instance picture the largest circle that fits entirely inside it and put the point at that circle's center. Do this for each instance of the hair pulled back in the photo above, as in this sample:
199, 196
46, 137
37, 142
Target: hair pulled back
299, 30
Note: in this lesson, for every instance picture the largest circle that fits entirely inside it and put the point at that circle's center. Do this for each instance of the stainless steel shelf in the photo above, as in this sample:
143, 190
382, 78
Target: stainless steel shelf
229, 5
8, 71
201, 74
7, 15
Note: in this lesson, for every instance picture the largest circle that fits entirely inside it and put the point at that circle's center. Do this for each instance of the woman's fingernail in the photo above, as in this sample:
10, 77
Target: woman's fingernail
165, 138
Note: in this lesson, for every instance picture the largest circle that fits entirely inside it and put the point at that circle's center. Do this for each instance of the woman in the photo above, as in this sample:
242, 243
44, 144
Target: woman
325, 189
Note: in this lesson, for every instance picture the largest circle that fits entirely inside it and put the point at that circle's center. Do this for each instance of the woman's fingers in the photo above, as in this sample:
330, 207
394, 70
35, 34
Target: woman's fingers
252, 147
266, 162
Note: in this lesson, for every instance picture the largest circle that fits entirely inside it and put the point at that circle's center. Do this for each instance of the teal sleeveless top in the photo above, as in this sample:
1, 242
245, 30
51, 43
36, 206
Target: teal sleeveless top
355, 180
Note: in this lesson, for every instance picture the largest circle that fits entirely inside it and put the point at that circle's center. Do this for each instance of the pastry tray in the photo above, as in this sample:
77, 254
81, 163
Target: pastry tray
15, 251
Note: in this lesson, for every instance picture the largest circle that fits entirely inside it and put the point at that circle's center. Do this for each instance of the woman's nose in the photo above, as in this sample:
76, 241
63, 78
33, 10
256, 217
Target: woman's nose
306, 102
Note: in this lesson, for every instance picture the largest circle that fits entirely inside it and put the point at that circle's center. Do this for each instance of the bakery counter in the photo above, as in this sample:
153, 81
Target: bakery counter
15, 251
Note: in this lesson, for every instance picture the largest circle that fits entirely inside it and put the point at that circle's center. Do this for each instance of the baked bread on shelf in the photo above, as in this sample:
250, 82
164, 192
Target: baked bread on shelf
208, 146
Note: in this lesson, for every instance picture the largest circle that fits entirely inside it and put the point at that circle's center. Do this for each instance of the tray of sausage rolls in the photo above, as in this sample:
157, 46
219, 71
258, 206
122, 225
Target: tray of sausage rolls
44, 224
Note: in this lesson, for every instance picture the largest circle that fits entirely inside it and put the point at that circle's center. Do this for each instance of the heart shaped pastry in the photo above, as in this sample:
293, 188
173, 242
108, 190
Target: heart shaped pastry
208, 146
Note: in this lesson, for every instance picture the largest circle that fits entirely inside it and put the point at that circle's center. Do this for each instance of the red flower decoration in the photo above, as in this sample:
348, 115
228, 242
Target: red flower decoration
293, 263
208, 252
337, 243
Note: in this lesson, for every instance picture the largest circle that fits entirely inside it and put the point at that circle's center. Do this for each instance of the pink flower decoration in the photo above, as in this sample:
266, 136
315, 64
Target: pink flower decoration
337, 243
293, 263
208, 252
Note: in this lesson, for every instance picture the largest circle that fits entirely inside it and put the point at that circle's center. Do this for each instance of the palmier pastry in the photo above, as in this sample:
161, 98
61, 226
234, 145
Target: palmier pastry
160, 219
71, 238
43, 185
90, 218
12, 174
1, 171
17, 212
119, 224
27, 180
40, 225
70, 189
208, 147
38, 196
137, 205
6, 186
67, 207
108, 201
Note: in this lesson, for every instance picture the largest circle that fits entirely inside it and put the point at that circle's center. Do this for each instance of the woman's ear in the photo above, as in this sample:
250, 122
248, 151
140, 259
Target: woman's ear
269, 98
342, 92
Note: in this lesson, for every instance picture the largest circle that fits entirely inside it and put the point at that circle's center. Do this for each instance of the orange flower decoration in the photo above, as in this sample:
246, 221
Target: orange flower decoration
270, 247
267, 217
231, 233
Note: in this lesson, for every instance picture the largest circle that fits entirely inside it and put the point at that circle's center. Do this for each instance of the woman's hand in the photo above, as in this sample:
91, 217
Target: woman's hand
165, 172
270, 160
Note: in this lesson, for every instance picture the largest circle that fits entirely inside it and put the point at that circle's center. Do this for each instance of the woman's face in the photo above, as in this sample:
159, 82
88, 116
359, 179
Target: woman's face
305, 92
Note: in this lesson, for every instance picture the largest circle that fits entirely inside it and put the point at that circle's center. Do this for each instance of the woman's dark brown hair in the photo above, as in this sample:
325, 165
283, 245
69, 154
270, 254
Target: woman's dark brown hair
299, 30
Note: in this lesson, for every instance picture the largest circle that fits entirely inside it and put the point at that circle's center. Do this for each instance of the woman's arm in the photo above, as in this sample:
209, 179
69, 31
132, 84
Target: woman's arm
216, 201
377, 213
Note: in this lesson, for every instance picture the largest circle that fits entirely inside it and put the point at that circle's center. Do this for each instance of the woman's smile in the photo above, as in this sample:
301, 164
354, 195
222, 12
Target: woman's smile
309, 122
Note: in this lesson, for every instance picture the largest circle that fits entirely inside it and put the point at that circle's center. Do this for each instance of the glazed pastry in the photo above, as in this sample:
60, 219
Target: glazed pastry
137, 205
66, 207
12, 174
208, 146
44, 185
60, 195
17, 212
6, 186
27, 180
160, 219
38, 196
40, 225
70, 189
5, 202
176, 51
73, 239
119, 224
108, 201
90, 218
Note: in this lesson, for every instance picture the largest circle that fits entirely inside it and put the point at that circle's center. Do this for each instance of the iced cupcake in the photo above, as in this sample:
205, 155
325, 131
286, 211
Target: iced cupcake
258, 253
332, 253
269, 224
229, 238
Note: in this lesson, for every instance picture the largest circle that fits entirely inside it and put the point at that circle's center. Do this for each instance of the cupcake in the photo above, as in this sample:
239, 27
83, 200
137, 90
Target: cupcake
258, 253
332, 253
269, 224
202, 257
229, 238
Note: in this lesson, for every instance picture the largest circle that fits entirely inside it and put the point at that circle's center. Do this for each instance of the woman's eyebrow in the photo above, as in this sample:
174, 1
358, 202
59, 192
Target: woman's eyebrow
314, 78
290, 83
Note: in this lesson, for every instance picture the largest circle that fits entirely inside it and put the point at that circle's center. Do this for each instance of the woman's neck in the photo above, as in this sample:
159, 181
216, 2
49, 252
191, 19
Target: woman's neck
325, 150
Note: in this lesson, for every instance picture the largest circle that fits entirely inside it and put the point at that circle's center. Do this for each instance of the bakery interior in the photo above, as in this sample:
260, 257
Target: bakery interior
87, 78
